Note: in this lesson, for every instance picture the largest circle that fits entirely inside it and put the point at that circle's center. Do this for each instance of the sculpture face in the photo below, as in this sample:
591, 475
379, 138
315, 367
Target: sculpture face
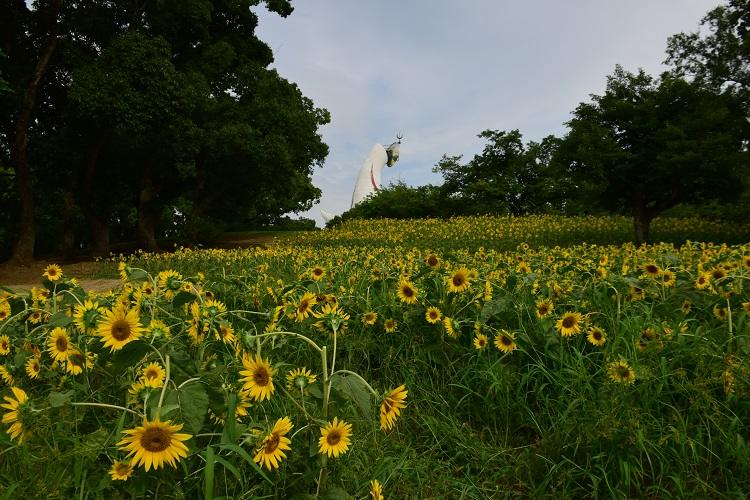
393, 152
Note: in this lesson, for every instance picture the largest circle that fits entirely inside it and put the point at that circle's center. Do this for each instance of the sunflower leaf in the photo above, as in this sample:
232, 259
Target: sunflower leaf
354, 390
193, 405
60, 319
182, 298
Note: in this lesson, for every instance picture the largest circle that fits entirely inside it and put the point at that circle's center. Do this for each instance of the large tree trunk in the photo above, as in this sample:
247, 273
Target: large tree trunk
23, 253
68, 245
147, 217
99, 232
642, 226
98, 225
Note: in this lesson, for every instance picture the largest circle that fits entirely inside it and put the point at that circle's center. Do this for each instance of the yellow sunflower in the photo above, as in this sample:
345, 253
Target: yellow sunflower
14, 415
271, 450
480, 341
4, 345
153, 375
120, 327
304, 307
58, 344
86, 316
53, 272
702, 281
369, 318
33, 367
121, 471
451, 328
652, 270
432, 260
620, 371
77, 362
334, 438
505, 341
225, 333
6, 376
376, 491
543, 308
391, 406
258, 377
4, 310
154, 443
458, 281
596, 336
390, 325
569, 324
317, 273
407, 292
433, 315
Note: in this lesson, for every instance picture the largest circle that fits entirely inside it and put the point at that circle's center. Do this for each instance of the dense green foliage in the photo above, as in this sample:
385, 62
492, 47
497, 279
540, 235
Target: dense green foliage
150, 120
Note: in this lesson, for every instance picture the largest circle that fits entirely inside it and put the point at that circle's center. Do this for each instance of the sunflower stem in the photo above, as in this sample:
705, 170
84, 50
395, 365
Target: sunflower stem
163, 389
296, 335
114, 407
324, 411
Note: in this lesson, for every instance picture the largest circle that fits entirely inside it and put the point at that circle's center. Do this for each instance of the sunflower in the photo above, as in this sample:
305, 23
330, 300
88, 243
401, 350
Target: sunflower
668, 278
258, 380
376, 491
14, 415
451, 328
121, 471
53, 272
652, 270
4, 310
153, 375
458, 281
86, 316
334, 438
4, 345
391, 406
137, 393
702, 281
169, 280
746, 306
720, 312
620, 371
407, 292
225, 333
271, 450
480, 341
369, 318
59, 345
332, 319
33, 367
487, 294
299, 378
304, 307
6, 376
746, 261
120, 327
506, 341
543, 308
317, 273
390, 325
433, 261
686, 306
433, 315
158, 328
717, 273
77, 362
596, 336
569, 324
154, 443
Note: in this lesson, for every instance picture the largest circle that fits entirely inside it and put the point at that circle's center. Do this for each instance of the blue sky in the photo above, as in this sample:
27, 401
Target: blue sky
441, 71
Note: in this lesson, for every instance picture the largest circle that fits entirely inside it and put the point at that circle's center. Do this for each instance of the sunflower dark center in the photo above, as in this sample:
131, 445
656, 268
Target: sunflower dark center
433, 314
303, 305
652, 269
569, 322
261, 377
155, 440
407, 291
506, 341
543, 310
151, 374
458, 280
333, 438
432, 260
317, 271
121, 329
597, 335
122, 469
482, 342
62, 344
271, 443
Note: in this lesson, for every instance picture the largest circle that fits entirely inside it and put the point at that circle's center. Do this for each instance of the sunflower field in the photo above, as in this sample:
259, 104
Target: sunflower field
479, 357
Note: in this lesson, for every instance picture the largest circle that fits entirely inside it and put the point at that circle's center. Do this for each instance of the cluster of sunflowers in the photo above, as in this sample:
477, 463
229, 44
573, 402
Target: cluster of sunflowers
165, 353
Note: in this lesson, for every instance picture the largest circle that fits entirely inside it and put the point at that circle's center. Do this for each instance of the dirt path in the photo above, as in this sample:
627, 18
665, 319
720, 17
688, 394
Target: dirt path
22, 278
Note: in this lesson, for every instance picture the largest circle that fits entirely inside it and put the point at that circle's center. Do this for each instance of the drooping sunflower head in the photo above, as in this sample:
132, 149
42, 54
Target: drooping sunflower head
407, 292
505, 341
433, 315
77, 362
334, 438
391, 407
119, 327
86, 316
6, 376
258, 377
155, 443
569, 324
376, 490
16, 415
451, 327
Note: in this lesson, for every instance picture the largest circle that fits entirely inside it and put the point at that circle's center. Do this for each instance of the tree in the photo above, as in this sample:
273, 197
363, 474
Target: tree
648, 144
507, 177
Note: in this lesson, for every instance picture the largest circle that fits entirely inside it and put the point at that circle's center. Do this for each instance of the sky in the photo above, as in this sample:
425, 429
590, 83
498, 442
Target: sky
442, 71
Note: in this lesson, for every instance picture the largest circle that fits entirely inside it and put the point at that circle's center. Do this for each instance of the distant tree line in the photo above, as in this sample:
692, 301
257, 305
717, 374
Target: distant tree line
143, 120
647, 145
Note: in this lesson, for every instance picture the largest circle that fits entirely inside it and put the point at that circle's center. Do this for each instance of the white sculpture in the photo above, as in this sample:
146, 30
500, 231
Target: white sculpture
368, 178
